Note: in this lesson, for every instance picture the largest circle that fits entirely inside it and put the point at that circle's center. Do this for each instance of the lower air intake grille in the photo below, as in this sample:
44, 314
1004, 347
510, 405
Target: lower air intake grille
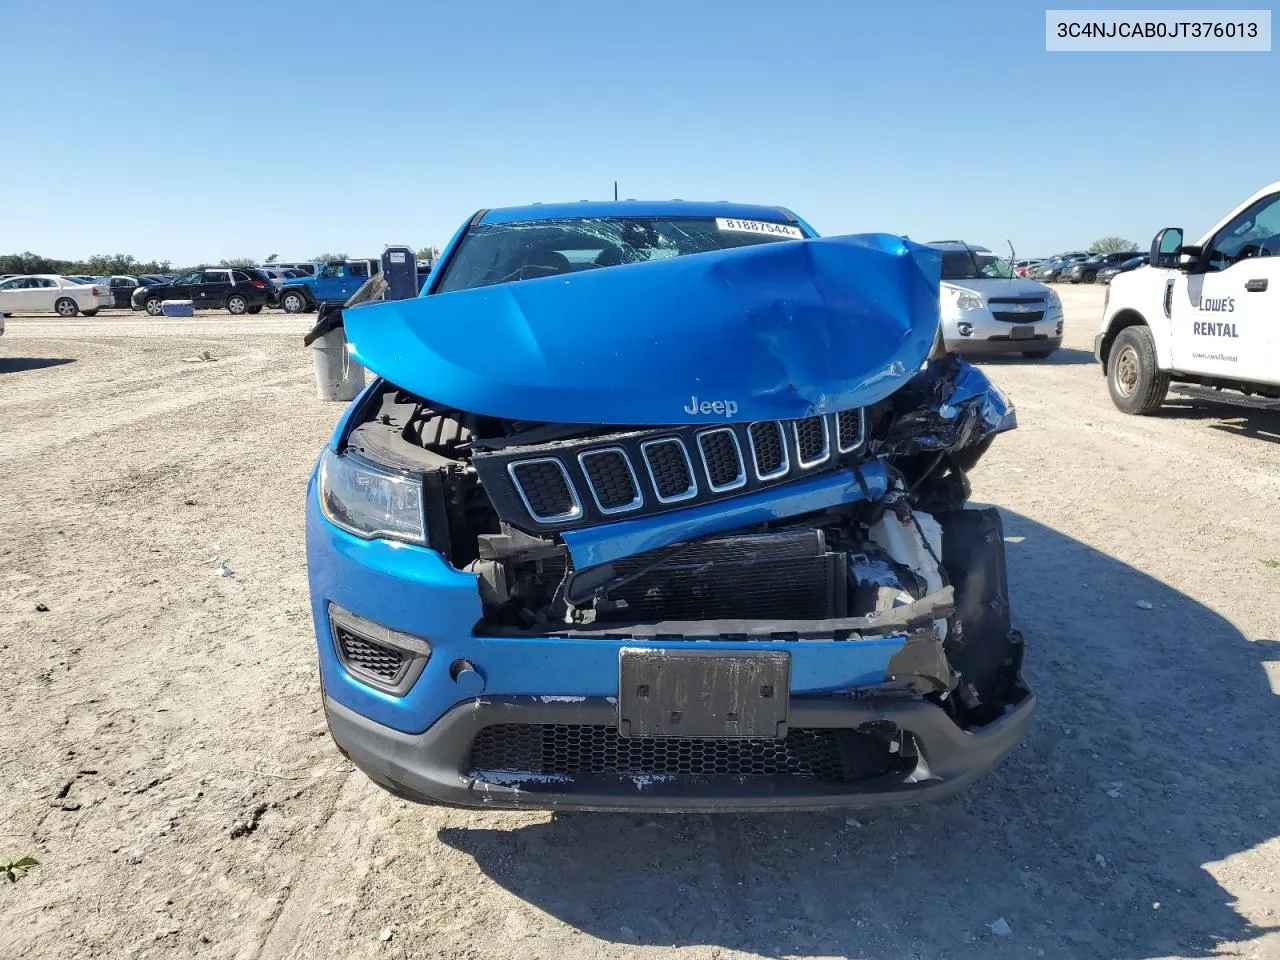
831, 755
1008, 316
545, 488
363, 656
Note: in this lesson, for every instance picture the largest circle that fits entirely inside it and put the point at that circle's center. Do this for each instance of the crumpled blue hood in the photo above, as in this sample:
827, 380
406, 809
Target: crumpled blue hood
773, 331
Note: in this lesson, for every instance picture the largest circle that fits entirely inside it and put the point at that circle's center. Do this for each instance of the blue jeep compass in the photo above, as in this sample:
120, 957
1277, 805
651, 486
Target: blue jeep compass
662, 506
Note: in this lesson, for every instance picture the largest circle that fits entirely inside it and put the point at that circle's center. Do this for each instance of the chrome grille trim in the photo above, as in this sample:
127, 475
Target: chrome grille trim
684, 452
785, 466
573, 513
862, 430
635, 504
738, 481
801, 462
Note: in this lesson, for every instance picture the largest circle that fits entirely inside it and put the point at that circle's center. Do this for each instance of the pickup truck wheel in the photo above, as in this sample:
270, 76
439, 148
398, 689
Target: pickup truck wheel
1136, 383
1089, 276
237, 304
66, 307
293, 302
155, 307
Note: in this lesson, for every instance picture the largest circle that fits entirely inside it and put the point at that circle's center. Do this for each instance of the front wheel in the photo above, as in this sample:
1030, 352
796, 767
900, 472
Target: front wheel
1037, 354
1089, 277
237, 304
1135, 381
155, 306
293, 302
66, 307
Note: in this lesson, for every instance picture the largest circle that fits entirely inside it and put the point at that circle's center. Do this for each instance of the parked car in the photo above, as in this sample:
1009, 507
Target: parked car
306, 269
986, 309
1052, 268
52, 293
1200, 315
588, 544
1086, 271
1107, 274
334, 283
1020, 267
237, 290
82, 278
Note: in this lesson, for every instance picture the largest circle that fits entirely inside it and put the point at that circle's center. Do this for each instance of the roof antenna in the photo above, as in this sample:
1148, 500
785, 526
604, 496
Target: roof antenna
615, 190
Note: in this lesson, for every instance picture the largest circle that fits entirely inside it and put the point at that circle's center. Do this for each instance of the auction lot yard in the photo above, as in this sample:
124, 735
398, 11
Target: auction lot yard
164, 757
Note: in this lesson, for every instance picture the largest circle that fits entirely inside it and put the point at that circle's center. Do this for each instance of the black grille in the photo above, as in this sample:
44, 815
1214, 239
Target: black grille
720, 452
811, 439
832, 755
787, 574
1032, 299
1032, 316
669, 467
849, 429
767, 444
611, 479
545, 488
363, 656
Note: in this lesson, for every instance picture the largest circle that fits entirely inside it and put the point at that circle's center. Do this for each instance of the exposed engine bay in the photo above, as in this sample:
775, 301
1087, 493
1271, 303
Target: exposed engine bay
834, 527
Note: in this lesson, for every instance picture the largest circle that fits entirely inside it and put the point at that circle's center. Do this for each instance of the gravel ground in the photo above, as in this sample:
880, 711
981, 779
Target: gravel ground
163, 754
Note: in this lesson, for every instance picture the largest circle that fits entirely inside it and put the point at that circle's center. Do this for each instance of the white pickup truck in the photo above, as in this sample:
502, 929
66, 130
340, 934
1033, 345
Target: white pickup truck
1205, 315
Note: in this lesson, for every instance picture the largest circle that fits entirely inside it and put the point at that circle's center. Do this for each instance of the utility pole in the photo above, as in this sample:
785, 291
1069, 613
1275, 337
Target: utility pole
615, 190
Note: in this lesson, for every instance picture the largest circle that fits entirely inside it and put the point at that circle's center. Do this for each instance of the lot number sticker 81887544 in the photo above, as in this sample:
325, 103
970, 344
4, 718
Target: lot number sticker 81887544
759, 226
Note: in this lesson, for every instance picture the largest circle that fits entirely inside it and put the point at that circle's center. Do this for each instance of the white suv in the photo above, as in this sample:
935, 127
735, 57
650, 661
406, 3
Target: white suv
985, 309
1204, 314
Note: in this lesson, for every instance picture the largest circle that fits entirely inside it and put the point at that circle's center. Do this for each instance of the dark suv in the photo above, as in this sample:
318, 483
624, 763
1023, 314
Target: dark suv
1086, 271
238, 289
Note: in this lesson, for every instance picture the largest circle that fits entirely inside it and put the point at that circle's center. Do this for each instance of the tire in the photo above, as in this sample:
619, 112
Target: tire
65, 307
237, 304
293, 301
155, 306
1037, 354
1134, 380
90, 313
257, 309
1089, 277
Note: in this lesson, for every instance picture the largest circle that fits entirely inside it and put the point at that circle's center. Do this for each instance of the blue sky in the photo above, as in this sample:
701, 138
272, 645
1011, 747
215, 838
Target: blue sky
299, 128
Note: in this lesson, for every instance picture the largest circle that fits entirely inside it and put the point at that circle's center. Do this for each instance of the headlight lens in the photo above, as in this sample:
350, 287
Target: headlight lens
370, 501
1054, 299
969, 301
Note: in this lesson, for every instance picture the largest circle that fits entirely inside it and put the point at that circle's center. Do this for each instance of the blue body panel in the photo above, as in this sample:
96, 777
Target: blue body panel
414, 590
773, 331
592, 545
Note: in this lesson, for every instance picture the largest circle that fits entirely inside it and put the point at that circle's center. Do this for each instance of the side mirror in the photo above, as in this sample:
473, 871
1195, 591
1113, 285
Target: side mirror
1165, 247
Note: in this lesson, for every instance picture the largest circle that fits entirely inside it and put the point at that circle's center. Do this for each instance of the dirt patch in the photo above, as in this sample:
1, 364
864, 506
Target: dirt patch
165, 760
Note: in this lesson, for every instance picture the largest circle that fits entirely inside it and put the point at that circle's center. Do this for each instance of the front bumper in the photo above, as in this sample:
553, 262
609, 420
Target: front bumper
435, 766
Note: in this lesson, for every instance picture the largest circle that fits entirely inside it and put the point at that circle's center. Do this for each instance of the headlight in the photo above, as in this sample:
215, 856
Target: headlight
1054, 300
370, 501
969, 301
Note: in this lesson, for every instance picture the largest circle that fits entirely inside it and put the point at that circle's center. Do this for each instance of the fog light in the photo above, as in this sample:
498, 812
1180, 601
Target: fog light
964, 329
1059, 328
377, 656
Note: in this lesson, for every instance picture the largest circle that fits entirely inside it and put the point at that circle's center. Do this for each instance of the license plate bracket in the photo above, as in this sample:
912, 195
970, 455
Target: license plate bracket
703, 693
1023, 332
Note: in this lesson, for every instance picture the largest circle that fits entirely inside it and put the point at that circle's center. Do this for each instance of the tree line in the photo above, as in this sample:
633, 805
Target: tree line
110, 264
